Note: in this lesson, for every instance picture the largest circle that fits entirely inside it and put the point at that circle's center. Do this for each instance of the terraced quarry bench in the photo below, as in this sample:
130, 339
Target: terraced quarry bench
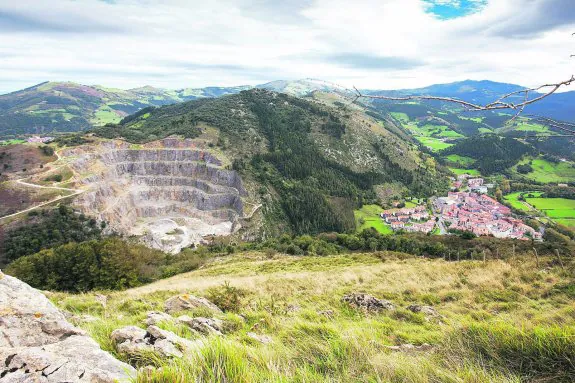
171, 192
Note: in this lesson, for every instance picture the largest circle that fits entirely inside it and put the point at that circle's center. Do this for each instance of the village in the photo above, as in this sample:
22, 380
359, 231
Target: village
471, 210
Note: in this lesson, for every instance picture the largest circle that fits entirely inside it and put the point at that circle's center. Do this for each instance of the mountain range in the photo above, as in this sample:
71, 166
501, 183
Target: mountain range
65, 106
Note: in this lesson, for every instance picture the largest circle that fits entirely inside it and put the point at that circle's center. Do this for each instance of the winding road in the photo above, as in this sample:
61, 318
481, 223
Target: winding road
22, 182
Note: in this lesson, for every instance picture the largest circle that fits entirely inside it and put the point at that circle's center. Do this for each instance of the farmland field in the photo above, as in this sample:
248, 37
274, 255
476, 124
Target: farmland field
546, 172
561, 210
514, 201
438, 131
434, 144
369, 214
11, 142
461, 160
471, 172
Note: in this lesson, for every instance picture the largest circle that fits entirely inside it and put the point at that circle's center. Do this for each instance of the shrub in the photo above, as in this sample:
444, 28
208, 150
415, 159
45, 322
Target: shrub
76, 267
226, 297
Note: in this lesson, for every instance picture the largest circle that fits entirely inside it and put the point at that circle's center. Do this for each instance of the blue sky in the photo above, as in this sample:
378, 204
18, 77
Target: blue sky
381, 44
451, 9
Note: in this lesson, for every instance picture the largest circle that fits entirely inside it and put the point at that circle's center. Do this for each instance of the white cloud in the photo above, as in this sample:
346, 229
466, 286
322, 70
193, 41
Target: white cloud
367, 43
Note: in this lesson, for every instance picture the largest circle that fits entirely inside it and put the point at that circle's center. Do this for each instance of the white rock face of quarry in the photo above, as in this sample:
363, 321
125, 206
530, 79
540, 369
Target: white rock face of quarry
172, 192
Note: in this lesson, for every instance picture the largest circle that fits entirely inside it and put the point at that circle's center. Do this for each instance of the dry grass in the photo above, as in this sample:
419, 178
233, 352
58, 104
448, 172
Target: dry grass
284, 297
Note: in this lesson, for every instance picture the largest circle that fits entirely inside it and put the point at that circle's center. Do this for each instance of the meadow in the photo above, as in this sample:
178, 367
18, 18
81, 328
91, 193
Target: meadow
461, 160
368, 217
514, 201
471, 172
496, 321
435, 144
560, 210
547, 172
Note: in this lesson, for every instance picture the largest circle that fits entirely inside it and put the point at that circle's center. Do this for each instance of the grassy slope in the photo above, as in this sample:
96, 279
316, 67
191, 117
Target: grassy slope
561, 210
513, 200
545, 171
371, 218
471, 172
285, 295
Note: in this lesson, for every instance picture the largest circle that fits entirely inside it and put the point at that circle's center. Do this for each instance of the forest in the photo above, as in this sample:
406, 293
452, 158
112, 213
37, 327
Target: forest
492, 153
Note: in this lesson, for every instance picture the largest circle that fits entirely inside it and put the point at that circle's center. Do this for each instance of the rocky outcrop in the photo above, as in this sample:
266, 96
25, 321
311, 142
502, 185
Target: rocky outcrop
263, 339
171, 192
206, 326
37, 344
428, 311
184, 302
135, 341
367, 303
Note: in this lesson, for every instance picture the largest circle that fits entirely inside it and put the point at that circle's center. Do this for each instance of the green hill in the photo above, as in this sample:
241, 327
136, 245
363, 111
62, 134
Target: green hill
68, 107
314, 163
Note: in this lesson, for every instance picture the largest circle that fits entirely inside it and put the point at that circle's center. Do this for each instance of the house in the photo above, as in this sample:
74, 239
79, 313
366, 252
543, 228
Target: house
474, 182
397, 225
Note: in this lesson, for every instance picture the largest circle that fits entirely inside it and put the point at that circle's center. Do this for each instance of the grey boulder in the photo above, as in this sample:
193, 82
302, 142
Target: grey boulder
37, 344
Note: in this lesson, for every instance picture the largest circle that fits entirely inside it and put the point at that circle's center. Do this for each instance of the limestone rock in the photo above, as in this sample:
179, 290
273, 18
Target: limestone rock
155, 317
37, 344
133, 340
264, 339
326, 313
188, 302
203, 325
367, 302
426, 310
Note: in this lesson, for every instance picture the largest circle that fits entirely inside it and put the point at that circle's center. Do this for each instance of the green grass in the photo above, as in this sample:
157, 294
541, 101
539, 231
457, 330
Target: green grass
531, 127
560, 210
435, 144
430, 130
546, 172
105, 115
471, 172
514, 201
402, 117
368, 217
501, 321
566, 222
11, 142
461, 160
485, 130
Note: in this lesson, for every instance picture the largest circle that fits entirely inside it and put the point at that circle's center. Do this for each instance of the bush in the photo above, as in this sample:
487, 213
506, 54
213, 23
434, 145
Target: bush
76, 267
226, 297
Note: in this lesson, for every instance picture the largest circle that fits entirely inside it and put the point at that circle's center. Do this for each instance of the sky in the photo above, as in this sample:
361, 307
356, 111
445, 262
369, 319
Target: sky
375, 44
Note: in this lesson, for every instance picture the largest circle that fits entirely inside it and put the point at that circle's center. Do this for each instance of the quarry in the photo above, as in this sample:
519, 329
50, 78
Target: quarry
172, 193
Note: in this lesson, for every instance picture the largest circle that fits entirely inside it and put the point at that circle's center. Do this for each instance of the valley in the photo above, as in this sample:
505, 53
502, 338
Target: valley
179, 205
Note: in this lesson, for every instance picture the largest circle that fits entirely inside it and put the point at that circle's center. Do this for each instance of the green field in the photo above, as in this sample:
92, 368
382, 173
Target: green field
105, 115
561, 210
402, 117
514, 201
430, 130
11, 142
546, 172
530, 127
434, 144
471, 172
461, 160
371, 219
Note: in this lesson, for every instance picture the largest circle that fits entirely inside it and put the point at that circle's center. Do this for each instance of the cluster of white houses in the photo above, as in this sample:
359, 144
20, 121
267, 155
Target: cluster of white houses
415, 219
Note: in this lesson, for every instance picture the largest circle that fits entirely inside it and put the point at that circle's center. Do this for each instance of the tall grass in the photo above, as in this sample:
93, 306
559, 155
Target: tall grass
536, 354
